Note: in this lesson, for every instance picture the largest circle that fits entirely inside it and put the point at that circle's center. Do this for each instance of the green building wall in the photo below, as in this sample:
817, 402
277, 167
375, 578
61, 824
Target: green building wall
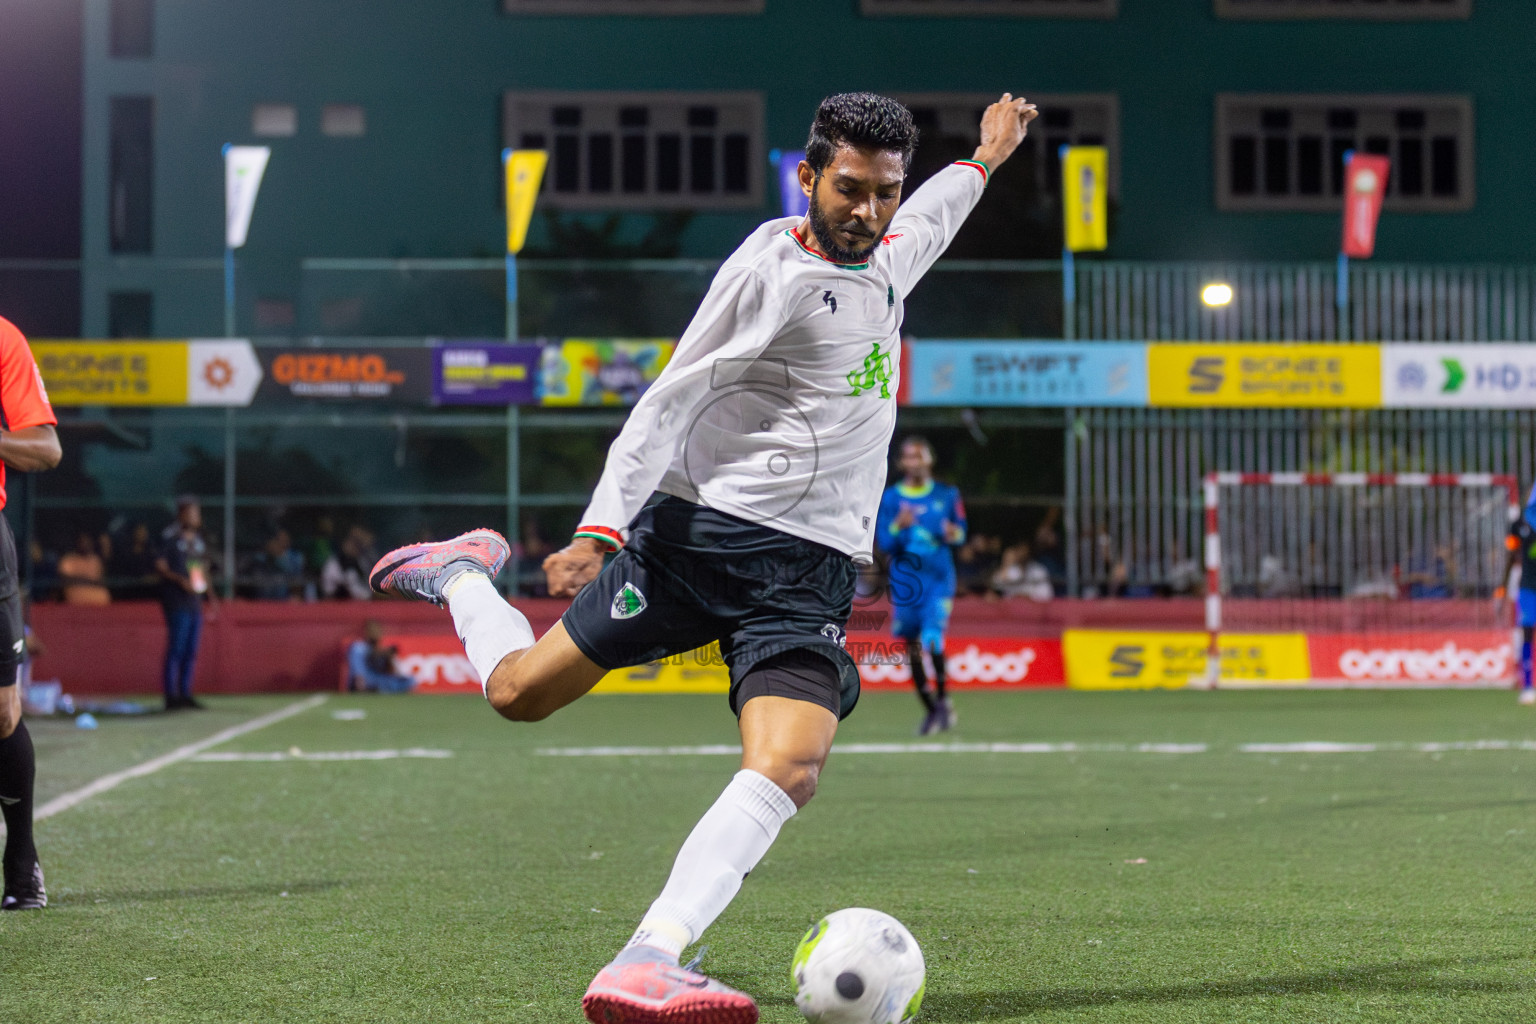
424, 180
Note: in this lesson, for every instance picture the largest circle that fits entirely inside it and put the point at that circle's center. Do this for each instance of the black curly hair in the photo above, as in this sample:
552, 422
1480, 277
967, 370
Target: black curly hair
860, 119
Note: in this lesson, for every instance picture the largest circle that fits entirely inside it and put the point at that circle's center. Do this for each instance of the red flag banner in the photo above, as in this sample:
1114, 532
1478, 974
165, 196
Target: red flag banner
1365, 186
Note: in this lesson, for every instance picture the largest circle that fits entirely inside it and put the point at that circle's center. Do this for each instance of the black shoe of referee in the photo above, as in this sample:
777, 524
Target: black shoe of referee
26, 894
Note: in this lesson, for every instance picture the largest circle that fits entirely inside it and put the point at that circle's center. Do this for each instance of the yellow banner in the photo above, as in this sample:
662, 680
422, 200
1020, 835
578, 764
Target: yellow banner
1085, 197
524, 171
1288, 376
1109, 660
700, 671
113, 372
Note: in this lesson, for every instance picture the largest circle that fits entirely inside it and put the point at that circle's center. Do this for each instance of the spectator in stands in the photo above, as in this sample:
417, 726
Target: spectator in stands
371, 667
276, 572
530, 560
320, 546
1047, 548
975, 563
132, 567
1019, 575
81, 572
345, 573
45, 571
184, 585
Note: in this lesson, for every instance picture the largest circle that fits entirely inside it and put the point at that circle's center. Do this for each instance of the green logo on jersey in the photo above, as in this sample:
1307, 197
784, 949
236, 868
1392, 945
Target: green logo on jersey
876, 370
627, 603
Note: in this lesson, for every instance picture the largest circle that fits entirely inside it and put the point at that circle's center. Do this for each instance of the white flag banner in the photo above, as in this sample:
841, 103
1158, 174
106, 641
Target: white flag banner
243, 168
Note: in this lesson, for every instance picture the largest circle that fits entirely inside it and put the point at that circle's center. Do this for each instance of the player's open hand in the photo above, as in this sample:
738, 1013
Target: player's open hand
573, 567
1003, 126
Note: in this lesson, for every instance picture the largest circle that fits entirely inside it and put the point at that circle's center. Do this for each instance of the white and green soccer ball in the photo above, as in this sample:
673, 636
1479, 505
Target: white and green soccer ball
858, 966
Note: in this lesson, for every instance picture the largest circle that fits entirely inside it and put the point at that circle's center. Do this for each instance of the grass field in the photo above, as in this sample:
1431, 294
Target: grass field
1102, 883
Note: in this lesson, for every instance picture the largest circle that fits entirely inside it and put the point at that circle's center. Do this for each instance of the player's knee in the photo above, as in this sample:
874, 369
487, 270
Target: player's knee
797, 779
515, 697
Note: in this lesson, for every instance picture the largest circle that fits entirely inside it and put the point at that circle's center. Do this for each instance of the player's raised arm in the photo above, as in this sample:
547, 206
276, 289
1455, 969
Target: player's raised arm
736, 321
929, 220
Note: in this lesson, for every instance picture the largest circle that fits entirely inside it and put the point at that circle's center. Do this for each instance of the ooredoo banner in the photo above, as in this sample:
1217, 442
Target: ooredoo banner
972, 663
1461, 658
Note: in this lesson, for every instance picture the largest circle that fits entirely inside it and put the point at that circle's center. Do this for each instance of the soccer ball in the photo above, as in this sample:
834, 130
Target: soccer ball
858, 966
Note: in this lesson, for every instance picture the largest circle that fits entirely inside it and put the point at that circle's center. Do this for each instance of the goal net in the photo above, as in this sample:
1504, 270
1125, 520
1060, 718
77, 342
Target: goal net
1356, 579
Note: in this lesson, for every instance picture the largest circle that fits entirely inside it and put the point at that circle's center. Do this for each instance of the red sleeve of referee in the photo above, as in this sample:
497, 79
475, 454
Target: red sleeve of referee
23, 398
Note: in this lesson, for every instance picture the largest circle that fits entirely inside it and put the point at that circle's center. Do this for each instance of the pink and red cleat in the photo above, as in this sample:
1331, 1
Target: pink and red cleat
640, 989
422, 570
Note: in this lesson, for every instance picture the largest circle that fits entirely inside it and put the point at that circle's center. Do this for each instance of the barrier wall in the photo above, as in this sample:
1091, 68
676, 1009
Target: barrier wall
1111, 644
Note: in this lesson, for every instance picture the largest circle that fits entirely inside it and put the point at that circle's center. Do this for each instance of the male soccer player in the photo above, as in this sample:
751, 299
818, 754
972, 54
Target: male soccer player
738, 496
28, 442
1522, 552
920, 521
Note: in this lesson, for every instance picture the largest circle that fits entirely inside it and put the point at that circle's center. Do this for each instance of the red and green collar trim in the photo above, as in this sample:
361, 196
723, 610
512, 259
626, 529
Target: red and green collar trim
604, 536
795, 234
986, 172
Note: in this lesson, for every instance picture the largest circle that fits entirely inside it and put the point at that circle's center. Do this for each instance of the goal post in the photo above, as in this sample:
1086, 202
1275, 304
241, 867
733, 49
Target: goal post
1356, 579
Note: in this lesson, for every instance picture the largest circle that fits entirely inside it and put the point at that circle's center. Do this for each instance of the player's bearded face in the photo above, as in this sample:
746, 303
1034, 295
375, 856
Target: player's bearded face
851, 242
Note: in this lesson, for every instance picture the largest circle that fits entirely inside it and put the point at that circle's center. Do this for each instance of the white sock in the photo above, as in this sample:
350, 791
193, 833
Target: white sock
488, 626
727, 843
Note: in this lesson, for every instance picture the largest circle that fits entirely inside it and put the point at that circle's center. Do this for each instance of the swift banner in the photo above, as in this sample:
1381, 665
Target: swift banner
489, 374
602, 371
1470, 376
1025, 373
1282, 376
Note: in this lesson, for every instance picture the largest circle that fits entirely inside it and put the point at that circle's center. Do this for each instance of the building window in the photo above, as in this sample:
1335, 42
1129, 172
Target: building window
131, 28
1386, 10
343, 120
1287, 152
659, 150
130, 314
1021, 211
994, 8
662, 7
131, 173
274, 120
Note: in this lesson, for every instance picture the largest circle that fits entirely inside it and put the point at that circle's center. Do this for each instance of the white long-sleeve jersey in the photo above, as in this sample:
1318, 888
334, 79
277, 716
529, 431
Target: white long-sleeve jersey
778, 404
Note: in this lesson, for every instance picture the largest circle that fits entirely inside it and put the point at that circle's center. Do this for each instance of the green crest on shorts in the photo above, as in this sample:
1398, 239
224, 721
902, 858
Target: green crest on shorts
628, 602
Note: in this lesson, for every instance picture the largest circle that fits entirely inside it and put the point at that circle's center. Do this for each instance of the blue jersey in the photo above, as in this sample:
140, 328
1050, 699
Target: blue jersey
921, 566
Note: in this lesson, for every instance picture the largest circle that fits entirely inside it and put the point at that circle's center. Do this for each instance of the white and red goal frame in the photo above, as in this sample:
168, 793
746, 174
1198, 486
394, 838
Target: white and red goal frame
1215, 481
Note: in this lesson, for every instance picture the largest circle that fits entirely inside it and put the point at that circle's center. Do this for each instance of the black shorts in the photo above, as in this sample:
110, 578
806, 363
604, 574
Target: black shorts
12, 632
691, 575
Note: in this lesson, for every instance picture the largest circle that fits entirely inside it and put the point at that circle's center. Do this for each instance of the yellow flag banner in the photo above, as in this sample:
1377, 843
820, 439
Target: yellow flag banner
524, 171
1085, 197
1280, 376
113, 372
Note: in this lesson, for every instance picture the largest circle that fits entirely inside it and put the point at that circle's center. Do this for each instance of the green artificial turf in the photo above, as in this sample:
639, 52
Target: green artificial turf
1394, 885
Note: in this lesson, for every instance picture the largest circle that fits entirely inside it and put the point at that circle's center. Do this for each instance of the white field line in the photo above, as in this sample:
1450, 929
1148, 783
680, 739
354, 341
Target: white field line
1307, 747
60, 804
230, 757
893, 748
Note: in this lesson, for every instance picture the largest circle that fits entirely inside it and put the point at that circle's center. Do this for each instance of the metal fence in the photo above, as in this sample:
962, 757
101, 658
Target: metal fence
1134, 511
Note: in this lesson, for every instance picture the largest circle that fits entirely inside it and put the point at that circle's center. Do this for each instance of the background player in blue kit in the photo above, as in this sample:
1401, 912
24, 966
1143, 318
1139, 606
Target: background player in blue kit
920, 521
1522, 552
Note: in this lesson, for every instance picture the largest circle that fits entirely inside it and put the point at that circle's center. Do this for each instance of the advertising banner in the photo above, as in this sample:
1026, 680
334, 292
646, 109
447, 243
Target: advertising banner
1085, 197
113, 372
973, 663
602, 371
1025, 373
439, 665
1115, 660
399, 375
1280, 376
1452, 658
1469, 376
486, 374
1365, 186
221, 372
